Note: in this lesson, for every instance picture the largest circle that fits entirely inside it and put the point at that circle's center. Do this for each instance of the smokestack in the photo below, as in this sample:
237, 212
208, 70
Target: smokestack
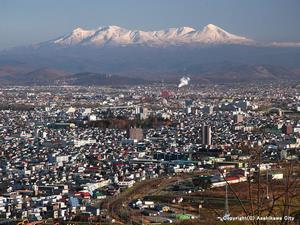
184, 81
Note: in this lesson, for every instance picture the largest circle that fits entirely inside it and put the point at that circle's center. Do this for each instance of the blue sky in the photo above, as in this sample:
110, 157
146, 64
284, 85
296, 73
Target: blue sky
30, 21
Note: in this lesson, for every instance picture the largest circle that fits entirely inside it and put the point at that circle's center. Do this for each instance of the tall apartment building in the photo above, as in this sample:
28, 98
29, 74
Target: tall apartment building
206, 134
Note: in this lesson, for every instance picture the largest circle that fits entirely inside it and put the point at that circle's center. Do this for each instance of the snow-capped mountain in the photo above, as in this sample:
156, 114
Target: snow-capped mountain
118, 36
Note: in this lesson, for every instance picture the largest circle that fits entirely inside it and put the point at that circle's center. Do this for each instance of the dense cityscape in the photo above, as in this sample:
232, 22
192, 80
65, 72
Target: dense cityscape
149, 112
159, 153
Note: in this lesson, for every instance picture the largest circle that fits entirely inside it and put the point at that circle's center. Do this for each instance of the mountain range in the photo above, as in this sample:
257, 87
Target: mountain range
114, 55
118, 36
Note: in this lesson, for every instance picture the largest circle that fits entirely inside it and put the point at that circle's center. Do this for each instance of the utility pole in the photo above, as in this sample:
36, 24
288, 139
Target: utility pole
267, 185
130, 216
199, 209
258, 184
226, 211
100, 214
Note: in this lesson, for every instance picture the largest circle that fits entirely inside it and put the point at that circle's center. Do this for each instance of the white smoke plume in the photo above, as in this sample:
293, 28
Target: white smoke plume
184, 81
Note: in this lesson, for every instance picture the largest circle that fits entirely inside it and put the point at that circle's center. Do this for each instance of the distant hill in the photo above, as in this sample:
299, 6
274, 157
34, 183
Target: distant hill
102, 79
209, 73
229, 73
47, 76
44, 76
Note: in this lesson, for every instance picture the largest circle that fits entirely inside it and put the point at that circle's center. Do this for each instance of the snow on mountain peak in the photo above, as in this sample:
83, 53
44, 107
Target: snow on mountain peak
213, 34
78, 30
186, 29
115, 35
211, 26
111, 27
76, 37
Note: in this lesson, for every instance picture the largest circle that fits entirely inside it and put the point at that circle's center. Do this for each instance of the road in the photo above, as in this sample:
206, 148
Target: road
118, 206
